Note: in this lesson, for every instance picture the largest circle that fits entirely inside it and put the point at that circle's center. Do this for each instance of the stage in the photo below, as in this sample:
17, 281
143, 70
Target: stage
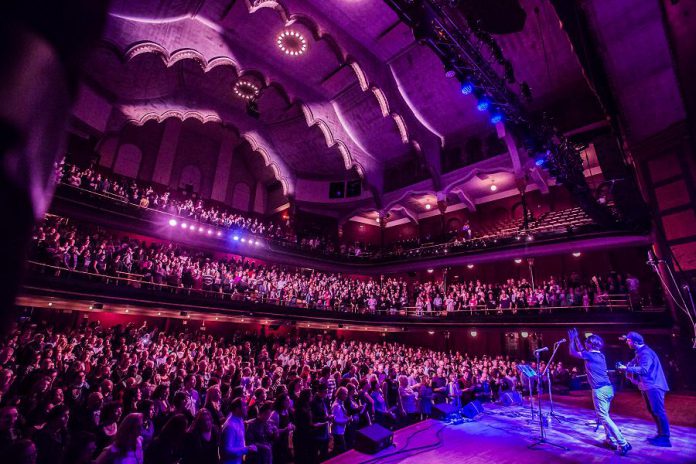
503, 434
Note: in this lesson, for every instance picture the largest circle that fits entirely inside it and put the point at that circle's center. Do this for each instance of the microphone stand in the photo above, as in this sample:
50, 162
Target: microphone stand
542, 440
548, 379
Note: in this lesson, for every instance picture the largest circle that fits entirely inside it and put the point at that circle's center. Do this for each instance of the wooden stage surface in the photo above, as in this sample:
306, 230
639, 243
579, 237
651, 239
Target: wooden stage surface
502, 435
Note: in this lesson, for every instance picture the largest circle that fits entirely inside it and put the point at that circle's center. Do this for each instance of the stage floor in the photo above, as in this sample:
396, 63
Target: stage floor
502, 435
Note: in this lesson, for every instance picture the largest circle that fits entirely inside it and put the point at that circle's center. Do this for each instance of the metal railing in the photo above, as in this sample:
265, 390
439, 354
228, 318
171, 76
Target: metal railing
618, 302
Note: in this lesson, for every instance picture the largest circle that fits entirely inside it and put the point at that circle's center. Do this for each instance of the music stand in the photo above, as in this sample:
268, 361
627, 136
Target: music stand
527, 371
542, 440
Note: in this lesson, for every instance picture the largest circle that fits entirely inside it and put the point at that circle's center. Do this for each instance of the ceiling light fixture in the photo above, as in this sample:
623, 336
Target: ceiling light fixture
246, 90
428, 206
291, 43
493, 187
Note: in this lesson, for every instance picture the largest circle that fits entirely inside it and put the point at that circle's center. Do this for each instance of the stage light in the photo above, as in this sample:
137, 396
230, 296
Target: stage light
577, 254
219, 234
430, 271
257, 243
428, 206
431, 332
172, 222
127, 310
200, 229
235, 238
496, 118
450, 71
470, 266
524, 334
518, 260
243, 240
518, 238
540, 162
530, 237
482, 105
473, 333
467, 88
50, 304
494, 187
210, 231
184, 225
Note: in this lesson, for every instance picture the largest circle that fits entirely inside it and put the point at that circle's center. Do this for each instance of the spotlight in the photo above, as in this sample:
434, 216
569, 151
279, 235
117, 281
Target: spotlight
210, 231
540, 162
518, 260
428, 206
219, 234
50, 304
235, 238
577, 254
494, 187
184, 225
431, 332
496, 118
524, 334
467, 88
257, 243
430, 271
243, 240
470, 266
482, 105
530, 237
473, 333
172, 222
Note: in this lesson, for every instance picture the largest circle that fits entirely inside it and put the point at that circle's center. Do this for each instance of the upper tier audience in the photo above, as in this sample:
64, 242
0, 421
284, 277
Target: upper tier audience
207, 212
147, 197
62, 244
136, 395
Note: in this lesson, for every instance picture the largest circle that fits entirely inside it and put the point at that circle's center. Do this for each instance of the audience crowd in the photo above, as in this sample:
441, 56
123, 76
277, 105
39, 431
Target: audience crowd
137, 395
186, 207
60, 243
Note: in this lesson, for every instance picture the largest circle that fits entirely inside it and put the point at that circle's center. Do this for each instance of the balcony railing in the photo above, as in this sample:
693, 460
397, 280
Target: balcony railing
609, 303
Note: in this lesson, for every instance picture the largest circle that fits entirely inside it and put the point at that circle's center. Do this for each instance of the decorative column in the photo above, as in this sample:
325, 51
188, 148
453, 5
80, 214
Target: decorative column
223, 166
167, 152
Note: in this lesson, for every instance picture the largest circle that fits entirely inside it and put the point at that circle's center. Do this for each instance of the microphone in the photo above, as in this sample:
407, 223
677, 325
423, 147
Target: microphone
562, 340
546, 348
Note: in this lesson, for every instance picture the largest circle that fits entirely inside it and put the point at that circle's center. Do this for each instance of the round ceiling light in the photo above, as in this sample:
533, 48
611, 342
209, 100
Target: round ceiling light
246, 90
292, 43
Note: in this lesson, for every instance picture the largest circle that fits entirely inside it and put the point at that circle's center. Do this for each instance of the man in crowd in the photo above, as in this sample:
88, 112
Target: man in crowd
232, 445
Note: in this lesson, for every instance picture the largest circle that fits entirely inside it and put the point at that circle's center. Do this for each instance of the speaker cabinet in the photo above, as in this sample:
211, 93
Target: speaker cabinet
472, 409
373, 439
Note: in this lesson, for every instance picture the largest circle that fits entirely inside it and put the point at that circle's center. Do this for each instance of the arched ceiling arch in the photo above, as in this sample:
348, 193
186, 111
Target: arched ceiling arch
213, 30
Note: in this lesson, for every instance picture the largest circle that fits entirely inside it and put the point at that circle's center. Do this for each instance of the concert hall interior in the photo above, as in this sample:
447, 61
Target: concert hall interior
347, 231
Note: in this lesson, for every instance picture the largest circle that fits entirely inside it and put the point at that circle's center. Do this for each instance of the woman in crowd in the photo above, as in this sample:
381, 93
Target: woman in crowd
201, 442
167, 448
127, 445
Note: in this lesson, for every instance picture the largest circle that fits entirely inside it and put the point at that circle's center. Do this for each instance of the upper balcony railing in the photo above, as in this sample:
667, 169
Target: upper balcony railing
546, 229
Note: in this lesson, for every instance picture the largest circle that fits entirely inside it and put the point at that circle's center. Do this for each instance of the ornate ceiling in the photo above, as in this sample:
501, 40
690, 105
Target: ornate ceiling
360, 93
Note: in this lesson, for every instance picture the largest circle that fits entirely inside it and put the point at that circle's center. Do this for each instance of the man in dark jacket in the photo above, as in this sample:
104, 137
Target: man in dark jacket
646, 372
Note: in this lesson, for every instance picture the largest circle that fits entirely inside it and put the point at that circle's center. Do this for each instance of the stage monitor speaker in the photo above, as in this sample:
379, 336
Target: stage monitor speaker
443, 410
512, 398
373, 439
472, 409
